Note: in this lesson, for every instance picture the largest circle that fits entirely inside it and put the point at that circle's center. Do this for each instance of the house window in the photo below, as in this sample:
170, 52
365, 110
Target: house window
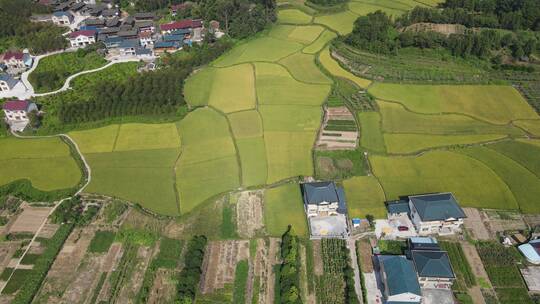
425, 229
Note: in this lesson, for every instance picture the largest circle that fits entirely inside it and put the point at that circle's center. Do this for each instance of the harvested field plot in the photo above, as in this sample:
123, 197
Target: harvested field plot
321, 41
397, 119
469, 180
249, 213
30, 158
410, 143
494, 104
30, 219
220, 262
335, 69
227, 89
283, 206
96, 140
147, 137
208, 164
275, 86
293, 16
364, 196
303, 68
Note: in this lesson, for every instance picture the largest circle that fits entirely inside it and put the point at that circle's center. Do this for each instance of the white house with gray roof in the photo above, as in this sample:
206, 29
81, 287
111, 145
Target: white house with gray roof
399, 280
320, 199
432, 264
437, 213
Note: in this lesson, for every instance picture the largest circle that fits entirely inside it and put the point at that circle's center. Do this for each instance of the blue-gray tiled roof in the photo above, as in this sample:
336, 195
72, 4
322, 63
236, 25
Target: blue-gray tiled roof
400, 275
435, 264
318, 192
436, 207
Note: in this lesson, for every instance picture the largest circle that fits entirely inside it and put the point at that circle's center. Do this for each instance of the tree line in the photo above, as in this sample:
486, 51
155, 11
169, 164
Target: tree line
378, 33
149, 93
289, 272
17, 31
190, 275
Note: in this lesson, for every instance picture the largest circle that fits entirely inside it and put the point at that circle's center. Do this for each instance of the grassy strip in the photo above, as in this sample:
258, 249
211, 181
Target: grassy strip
121, 272
240, 281
362, 279
35, 277
98, 287
101, 242
460, 264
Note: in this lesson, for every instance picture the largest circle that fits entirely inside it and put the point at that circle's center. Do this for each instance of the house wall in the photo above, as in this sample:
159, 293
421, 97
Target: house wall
4, 87
438, 283
82, 41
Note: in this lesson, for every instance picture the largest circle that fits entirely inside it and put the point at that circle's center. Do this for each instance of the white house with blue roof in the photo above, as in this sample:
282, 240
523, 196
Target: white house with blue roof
399, 279
432, 264
320, 199
437, 213
62, 18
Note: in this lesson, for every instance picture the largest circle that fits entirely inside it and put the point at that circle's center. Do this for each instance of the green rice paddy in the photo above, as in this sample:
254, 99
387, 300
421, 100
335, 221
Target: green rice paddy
410, 143
320, 42
283, 206
364, 196
335, 69
293, 16
31, 158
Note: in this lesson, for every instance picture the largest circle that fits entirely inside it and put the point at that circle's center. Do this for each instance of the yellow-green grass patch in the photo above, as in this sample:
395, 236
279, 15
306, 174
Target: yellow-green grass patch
528, 155
144, 177
275, 86
283, 206
495, 104
363, 8
340, 22
303, 68
523, 183
252, 160
306, 34
259, 49
321, 41
409, 143
246, 124
46, 162
535, 142
290, 118
473, 183
364, 196
137, 136
227, 89
531, 126
293, 16
96, 140
288, 154
335, 69
208, 164
396, 119
371, 136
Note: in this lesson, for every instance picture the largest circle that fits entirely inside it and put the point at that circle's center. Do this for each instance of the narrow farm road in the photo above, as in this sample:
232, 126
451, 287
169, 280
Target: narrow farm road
351, 243
86, 174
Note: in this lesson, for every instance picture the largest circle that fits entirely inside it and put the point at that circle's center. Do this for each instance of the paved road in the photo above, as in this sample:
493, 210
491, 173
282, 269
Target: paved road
88, 179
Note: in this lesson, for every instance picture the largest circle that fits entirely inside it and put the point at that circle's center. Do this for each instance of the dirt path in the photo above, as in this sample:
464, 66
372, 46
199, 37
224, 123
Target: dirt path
476, 295
478, 270
351, 244
273, 251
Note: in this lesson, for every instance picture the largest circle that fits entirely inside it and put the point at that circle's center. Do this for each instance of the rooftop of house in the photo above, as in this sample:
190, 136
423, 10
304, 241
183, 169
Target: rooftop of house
77, 6
397, 207
144, 15
129, 44
319, 192
400, 275
62, 14
423, 243
145, 35
144, 23
86, 33
432, 263
173, 38
128, 33
166, 44
16, 105
437, 207
94, 21
110, 12
182, 24
17, 55
109, 30
115, 21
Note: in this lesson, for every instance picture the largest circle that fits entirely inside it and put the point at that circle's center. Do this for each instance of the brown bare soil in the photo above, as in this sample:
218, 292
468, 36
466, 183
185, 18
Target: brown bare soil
364, 250
164, 288
109, 263
80, 287
220, 262
501, 221
48, 230
249, 213
132, 285
336, 140
474, 222
64, 269
7, 250
317, 258
445, 29
30, 219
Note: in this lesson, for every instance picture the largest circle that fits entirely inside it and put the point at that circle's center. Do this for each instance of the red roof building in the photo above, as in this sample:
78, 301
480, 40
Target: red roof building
86, 33
16, 105
179, 25
15, 55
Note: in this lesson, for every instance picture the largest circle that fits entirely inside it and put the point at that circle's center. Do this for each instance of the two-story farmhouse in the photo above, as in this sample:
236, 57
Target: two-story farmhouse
7, 83
82, 38
399, 279
194, 25
17, 60
432, 264
436, 214
320, 199
16, 113
62, 18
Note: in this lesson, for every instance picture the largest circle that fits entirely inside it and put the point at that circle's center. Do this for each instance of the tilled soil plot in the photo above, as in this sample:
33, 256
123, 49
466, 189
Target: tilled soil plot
131, 287
249, 213
317, 258
474, 222
64, 269
365, 256
48, 230
220, 262
111, 260
164, 288
265, 259
30, 219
